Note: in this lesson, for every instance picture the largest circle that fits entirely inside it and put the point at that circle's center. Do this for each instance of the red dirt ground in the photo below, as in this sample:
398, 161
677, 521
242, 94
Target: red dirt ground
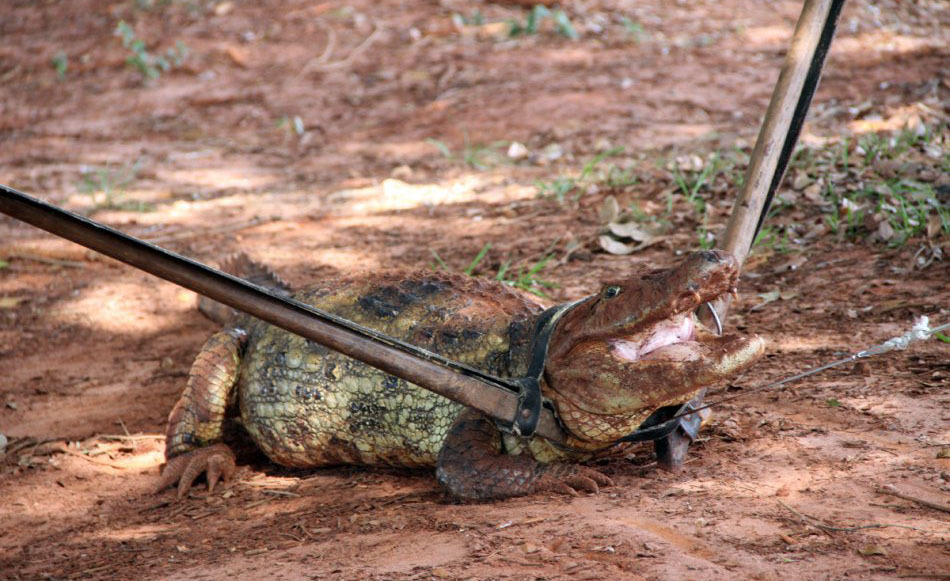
297, 131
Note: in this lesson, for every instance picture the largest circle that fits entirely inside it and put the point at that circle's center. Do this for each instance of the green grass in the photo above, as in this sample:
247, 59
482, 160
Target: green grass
537, 15
150, 66
594, 173
477, 156
870, 190
525, 278
906, 205
691, 183
111, 183
60, 64
634, 30
292, 123
774, 238
864, 190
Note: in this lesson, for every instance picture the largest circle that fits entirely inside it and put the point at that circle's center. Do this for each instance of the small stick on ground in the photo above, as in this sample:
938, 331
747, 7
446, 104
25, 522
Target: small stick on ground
47, 260
889, 489
88, 458
186, 234
128, 436
828, 528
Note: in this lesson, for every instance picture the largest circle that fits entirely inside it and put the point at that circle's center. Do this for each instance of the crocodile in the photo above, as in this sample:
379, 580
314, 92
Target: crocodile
614, 358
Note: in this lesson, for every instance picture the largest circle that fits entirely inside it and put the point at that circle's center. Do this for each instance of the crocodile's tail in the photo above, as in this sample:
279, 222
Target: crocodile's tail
242, 266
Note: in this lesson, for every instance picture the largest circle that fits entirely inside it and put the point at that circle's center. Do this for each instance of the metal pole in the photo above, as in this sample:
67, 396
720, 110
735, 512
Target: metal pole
476, 391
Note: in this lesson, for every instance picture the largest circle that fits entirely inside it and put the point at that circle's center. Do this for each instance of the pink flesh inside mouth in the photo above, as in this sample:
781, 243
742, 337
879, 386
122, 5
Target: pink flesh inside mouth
672, 332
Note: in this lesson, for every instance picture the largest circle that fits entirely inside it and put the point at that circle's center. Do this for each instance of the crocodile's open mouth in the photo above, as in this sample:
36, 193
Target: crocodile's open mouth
672, 339
656, 354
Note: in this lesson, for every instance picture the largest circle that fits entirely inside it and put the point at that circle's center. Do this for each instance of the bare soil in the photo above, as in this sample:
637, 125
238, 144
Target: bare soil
309, 134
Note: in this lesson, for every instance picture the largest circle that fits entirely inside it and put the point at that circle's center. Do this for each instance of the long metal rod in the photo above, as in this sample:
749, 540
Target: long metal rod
463, 385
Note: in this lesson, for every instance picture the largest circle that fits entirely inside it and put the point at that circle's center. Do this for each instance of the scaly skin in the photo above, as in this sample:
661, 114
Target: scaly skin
307, 406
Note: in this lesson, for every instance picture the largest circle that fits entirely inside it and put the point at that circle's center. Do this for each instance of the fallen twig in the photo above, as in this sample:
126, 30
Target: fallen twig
810, 520
88, 458
321, 63
46, 260
274, 492
889, 489
185, 234
129, 437
325, 55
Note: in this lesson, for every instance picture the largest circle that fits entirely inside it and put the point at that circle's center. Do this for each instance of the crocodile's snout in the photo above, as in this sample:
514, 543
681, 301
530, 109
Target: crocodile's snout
643, 349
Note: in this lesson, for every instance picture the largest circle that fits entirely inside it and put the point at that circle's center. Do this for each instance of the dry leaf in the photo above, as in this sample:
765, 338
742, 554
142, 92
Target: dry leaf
801, 181
238, 55
767, 298
885, 231
517, 151
791, 264
10, 302
223, 8
934, 225
629, 230
813, 192
610, 210
871, 550
614, 246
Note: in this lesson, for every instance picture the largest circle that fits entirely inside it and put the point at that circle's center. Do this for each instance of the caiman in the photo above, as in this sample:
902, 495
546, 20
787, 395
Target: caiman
614, 358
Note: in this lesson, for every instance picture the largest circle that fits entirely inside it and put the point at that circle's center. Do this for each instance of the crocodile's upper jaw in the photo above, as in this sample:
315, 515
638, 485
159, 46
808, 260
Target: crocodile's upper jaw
616, 359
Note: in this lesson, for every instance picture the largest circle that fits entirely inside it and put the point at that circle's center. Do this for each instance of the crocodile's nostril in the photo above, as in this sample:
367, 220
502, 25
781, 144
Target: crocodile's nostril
710, 256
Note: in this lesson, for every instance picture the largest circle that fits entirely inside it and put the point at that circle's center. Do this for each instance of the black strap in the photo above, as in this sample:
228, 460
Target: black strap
528, 412
664, 422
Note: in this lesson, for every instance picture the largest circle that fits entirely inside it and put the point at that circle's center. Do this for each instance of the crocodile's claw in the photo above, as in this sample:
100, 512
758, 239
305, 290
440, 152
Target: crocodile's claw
472, 466
216, 461
571, 479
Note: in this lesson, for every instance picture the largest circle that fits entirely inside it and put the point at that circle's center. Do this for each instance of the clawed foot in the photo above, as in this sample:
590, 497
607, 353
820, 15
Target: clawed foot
216, 461
572, 479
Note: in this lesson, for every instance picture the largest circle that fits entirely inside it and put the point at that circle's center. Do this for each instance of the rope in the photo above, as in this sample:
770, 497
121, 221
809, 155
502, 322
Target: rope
919, 332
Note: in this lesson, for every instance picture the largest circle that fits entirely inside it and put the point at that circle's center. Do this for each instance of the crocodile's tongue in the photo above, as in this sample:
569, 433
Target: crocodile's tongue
662, 365
656, 343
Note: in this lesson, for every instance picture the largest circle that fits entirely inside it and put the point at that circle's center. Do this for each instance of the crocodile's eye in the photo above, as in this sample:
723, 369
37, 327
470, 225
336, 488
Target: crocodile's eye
611, 291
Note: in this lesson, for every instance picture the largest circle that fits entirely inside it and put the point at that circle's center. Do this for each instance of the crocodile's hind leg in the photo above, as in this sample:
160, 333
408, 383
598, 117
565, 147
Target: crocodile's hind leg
196, 423
473, 466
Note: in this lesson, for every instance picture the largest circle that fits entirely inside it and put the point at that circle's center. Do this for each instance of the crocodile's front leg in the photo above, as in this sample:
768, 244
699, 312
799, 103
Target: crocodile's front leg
473, 466
196, 424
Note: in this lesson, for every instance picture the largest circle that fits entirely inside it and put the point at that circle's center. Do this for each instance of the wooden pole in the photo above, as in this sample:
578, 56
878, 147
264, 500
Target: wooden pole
780, 130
